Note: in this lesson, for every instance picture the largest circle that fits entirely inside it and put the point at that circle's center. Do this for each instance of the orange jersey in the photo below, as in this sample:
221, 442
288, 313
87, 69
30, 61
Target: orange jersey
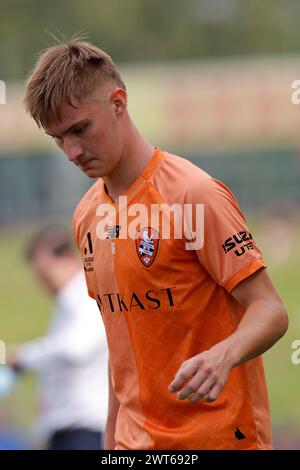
163, 304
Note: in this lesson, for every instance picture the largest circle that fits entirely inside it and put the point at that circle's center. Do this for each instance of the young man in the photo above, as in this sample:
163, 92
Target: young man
192, 321
71, 359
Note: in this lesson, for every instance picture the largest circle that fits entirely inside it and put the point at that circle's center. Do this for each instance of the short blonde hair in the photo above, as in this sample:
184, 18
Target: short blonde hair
63, 73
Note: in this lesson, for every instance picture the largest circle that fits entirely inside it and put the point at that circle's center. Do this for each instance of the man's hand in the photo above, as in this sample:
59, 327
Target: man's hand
203, 376
264, 322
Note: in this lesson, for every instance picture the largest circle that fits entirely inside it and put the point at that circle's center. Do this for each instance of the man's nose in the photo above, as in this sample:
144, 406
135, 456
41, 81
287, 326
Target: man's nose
72, 149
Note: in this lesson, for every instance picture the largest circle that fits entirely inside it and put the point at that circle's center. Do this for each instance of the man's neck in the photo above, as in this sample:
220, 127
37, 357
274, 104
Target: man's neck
132, 163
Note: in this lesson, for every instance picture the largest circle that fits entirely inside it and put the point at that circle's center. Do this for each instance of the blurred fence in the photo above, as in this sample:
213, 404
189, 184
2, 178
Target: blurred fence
234, 117
39, 187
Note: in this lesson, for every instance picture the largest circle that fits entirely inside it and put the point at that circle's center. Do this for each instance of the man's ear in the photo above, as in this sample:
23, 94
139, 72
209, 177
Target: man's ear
119, 100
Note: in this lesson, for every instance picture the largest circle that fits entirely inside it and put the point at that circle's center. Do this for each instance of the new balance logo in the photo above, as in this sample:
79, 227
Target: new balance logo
113, 231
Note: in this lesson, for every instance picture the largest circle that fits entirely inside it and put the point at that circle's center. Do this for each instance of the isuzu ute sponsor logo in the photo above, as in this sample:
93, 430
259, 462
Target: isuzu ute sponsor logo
242, 241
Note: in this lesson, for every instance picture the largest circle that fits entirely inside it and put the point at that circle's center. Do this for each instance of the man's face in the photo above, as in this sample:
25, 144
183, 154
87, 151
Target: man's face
91, 134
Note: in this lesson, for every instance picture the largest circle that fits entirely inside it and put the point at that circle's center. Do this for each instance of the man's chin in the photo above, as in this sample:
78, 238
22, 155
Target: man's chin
92, 173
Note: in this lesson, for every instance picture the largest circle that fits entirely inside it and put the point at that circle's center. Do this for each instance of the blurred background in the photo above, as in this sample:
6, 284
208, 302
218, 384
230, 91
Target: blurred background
207, 79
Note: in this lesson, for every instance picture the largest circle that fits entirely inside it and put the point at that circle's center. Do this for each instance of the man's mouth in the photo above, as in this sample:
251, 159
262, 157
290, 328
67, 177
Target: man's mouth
85, 163
82, 162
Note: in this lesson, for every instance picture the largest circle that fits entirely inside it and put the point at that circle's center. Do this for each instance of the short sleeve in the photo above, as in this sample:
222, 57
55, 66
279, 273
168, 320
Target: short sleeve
229, 252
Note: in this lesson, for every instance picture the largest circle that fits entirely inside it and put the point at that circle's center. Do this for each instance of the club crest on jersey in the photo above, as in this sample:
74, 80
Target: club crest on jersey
146, 242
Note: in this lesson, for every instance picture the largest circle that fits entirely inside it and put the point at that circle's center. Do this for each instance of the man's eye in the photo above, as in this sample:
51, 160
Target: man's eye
79, 130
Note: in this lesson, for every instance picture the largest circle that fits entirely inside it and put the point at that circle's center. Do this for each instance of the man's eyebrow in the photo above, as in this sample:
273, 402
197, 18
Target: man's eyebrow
79, 123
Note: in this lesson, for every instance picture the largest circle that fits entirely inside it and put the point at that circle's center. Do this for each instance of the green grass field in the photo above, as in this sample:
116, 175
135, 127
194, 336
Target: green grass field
25, 308
24, 314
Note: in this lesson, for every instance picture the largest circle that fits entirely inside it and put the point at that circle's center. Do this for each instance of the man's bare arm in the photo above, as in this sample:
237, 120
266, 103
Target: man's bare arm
264, 322
113, 408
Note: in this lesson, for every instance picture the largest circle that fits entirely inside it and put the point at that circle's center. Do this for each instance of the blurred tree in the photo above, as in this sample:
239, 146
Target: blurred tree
148, 29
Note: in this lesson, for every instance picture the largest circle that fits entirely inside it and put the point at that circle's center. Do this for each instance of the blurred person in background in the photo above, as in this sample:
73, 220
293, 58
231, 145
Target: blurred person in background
195, 322
71, 360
